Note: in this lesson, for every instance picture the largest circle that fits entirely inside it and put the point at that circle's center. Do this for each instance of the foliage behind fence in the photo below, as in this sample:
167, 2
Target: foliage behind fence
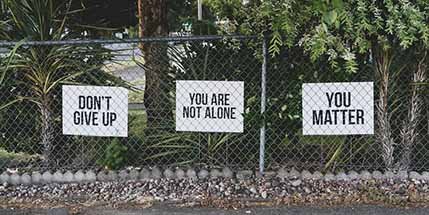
31, 136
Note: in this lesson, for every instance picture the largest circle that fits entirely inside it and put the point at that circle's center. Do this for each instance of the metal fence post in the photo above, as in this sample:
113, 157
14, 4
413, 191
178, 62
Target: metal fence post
263, 104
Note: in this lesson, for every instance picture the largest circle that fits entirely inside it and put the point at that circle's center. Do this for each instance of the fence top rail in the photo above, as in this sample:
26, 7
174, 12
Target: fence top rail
135, 40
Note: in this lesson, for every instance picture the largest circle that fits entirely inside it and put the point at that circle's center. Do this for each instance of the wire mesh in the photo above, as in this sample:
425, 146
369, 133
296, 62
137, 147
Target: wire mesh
32, 107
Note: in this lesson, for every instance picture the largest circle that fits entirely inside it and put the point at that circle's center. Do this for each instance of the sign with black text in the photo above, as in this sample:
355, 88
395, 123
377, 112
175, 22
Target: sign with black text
95, 111
209, 106
338, 108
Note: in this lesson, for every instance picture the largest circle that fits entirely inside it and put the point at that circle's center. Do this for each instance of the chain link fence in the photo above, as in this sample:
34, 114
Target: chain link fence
32, 107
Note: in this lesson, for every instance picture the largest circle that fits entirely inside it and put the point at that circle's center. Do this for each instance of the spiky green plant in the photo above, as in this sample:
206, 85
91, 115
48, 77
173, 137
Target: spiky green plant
43, 69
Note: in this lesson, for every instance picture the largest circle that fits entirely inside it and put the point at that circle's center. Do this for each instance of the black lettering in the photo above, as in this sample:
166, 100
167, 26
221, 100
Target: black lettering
76, 118
359, 116
97, 102
317, 117
328, 119
192, 97
351, 117
344, 116
227, 99
335, 116
207, 113
330, 98
338, 99
81, 102
347, 99
214, 99
87, 117
233, 112
108, 102
112, 118
95, 118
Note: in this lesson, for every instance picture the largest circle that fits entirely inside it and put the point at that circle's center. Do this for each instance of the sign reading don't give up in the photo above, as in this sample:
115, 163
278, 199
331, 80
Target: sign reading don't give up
338, 108
95, 111
209, 106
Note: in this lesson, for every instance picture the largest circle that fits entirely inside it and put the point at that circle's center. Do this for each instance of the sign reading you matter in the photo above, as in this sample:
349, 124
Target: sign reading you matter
209, 106
338, 108
95, 111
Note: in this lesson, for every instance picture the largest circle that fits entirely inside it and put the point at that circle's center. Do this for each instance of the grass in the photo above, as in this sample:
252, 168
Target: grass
138, 122
7, 157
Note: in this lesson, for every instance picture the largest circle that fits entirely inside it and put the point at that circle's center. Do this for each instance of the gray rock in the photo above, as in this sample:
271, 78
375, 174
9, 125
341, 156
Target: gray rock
156, 173
111, 175
79, 176
145, 174
4, 178
329, 177
341, 176
243, 175
296, 183
190, 173
102, 176
253, 190
15, 179
389, 175
264, 194
123, 175
227, 172
36, 177
215, 173
415, 175
180, 174
317, 175
425, 176
203, 174
402, 175
26, 179
68, 177
258, 174
134, 175
90, 176
46, 177
353, 175
57, 177
365, 175
168, 173
270, 174
306, 175
282, 173
377, 175
294, 174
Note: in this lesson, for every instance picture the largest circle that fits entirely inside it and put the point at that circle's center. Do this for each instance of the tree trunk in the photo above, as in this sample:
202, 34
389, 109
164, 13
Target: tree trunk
47, 132
383, 61
153, 22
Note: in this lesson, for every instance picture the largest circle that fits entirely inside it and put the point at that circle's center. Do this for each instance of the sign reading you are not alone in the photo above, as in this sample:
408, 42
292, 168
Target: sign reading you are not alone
209, 106
95, 111
338, 108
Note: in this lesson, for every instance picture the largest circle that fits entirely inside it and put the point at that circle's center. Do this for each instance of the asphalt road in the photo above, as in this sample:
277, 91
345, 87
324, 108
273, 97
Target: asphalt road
164, 210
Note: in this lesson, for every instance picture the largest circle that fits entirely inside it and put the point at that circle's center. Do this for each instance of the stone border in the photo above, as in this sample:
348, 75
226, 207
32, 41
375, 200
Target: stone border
178, 173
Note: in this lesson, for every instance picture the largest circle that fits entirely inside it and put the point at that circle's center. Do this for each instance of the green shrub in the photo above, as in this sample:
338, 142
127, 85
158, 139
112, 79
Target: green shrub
115, 155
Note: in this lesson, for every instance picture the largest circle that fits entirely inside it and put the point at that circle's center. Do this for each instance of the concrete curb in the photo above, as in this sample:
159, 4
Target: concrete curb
192, 174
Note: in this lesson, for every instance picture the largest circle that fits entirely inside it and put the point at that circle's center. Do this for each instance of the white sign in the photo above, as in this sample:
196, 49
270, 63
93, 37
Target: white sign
338, 108
209, 106
95, 111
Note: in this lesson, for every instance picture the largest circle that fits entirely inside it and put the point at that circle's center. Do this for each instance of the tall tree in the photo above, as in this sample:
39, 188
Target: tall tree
153, 22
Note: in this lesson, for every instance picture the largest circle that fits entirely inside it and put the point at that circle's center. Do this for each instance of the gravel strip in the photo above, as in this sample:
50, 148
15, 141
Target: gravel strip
221, 192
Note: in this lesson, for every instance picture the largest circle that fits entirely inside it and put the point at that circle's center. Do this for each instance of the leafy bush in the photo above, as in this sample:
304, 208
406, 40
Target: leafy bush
115, 155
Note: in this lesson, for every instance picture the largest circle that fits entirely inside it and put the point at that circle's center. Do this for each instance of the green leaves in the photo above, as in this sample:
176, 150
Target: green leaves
114, 156
276, 43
